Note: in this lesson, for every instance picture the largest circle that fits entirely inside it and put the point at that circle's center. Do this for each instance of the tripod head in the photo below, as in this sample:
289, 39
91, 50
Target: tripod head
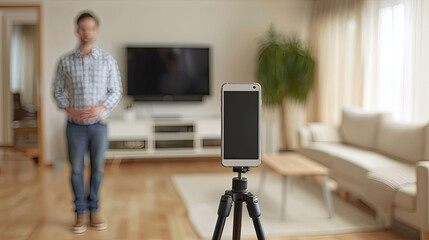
240, 170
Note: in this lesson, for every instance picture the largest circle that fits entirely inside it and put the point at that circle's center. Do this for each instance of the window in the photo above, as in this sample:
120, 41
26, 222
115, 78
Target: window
393, 88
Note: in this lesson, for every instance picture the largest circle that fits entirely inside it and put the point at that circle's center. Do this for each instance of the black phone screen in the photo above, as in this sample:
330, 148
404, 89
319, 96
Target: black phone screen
241, 128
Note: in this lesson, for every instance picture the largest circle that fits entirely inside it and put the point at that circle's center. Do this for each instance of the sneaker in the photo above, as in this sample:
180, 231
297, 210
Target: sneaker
80, 225
97, 222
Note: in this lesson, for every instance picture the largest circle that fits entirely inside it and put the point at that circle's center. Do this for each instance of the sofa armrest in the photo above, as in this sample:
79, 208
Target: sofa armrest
423, 194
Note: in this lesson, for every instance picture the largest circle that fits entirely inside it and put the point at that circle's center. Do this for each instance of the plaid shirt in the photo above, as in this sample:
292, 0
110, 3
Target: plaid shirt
88, 80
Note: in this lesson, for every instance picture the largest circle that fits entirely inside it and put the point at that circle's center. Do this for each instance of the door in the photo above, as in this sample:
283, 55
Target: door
20, 54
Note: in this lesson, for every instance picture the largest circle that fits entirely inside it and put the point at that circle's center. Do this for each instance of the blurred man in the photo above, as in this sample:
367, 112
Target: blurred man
87, 86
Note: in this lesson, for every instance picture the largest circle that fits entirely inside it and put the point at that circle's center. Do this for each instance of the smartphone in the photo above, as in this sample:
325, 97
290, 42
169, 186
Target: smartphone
241, 124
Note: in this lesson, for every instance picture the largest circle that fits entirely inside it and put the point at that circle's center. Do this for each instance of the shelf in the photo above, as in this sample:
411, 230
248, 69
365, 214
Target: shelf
174, 128
173, 136
169, 144
214, 143
128, 144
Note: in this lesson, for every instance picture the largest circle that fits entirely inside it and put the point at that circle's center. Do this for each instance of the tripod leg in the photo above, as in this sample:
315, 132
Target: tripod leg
238, 209
223, 211
255, 213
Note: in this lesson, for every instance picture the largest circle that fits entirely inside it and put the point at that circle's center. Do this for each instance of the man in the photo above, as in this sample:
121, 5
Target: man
87, 86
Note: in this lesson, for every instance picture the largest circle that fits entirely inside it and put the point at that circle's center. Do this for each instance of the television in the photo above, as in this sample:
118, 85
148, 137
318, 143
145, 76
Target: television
168, 73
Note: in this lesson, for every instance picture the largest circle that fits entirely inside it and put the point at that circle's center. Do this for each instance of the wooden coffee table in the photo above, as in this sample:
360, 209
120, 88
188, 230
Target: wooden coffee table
291, 164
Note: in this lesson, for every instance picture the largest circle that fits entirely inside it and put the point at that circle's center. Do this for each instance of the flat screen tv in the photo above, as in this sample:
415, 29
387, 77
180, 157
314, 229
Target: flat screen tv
168, 73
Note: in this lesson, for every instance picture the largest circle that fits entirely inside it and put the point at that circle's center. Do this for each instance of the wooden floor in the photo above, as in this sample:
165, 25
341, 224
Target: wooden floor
138, 201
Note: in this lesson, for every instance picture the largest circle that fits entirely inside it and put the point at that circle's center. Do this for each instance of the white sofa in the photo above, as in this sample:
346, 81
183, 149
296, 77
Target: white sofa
382, 162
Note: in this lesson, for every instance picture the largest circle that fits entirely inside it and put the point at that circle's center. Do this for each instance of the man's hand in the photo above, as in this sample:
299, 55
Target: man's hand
74, 114
92, 112
81, 115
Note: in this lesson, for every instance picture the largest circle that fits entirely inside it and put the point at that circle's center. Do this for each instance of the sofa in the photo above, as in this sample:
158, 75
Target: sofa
382, 162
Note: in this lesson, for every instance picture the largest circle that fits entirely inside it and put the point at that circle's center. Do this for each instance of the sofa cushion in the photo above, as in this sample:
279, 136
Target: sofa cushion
324, 133
381, 187
405, 141
359, 127
391, 179
353, 163
317, 152
405, 198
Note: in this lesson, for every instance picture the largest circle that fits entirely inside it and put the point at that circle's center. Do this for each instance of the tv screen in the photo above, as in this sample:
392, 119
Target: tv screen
168, 73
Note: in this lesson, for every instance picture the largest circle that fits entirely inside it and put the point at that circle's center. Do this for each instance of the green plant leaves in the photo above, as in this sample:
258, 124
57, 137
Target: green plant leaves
285, 68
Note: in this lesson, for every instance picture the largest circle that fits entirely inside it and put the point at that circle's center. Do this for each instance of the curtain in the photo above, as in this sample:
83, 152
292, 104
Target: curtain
397, 58
336, 40
23, 64
372, 54
28, 77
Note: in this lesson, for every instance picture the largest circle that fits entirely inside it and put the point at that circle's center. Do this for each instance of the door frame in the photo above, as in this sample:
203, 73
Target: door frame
40, 128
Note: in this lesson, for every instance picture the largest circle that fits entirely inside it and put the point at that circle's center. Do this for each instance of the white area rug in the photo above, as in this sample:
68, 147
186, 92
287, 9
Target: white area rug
306, 211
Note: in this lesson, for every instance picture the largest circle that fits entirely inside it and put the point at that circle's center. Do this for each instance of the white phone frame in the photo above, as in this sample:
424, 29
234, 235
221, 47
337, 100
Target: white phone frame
250, 87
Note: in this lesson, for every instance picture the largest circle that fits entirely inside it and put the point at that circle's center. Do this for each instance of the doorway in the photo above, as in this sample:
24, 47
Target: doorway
20, 121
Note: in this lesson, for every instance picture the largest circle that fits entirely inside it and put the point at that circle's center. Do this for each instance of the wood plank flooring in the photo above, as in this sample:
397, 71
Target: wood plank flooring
138, 200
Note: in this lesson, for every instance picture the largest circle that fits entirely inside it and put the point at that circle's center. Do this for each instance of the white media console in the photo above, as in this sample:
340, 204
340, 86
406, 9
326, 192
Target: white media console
164, 138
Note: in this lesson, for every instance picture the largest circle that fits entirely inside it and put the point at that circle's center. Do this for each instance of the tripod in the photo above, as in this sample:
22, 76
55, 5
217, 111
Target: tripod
238, 195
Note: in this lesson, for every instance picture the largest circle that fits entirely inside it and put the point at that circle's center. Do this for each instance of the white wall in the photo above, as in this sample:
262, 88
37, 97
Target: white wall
230, 27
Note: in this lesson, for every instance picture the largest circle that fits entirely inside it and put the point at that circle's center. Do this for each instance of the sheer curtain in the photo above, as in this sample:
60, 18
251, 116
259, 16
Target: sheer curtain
373, 54
336, 41
28, 57
397, 58
23, 63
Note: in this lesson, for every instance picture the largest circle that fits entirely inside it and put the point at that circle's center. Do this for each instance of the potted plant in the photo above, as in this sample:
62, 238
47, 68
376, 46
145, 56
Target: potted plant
285, 72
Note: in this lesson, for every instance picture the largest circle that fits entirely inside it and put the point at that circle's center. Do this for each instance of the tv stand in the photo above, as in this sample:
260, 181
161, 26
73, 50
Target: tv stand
165, 137
170, 98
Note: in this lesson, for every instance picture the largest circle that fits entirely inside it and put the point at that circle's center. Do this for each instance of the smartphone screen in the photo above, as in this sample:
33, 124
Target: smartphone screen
241, 129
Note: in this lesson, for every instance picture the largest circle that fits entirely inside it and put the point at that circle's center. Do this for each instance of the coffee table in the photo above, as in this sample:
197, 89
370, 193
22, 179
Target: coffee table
292, 164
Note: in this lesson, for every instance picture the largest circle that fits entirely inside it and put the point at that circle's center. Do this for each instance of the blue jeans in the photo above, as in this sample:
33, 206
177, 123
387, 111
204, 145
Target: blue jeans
81, 138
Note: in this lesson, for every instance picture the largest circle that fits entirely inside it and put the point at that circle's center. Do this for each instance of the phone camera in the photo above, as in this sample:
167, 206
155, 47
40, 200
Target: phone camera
254, 87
